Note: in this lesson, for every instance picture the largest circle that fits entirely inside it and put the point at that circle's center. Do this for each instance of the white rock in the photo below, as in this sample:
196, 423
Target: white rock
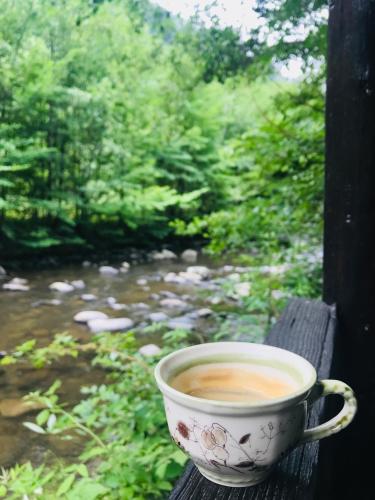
52, 302
163, 255
190, 277
183, 323
85, 316
149, 350
202, 313
86, 263
108, 270
189, 255
227, 268
14, 287
125, 265
157, 317
215, 300
19, 281
278, 294
142, 282
111, 301
118, 307
2, 271
201, 270
61, 286
242, 289
174, 278
276, 270
174, 303
242, 269
88, 297
140, 306
234, 277
110, 324
78, 284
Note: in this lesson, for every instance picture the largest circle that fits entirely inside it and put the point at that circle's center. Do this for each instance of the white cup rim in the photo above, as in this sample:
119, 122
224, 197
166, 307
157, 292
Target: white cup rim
235, 407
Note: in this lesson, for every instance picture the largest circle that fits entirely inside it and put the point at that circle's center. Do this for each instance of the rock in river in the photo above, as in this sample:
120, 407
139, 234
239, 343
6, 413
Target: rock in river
88, 297
149, 350
163, 255
158, 317
182, 322
2, 271
142, 282
15, 287
189, 255
110, 324
18, 407
174, 303
78, 284
201, 270
201, 313
85, 316
61, 286
108, 270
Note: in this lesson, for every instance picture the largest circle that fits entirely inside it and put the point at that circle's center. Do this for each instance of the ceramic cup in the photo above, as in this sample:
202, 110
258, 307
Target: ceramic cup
236, 443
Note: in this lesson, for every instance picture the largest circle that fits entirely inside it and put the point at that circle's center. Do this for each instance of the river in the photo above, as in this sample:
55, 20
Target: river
30, 315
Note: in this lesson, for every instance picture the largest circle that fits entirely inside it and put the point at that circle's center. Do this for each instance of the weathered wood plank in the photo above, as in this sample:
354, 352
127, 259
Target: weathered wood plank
306, 328
349, 263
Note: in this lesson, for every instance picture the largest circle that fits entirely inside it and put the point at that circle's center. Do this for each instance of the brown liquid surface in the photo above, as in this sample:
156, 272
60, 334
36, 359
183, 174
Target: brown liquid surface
238, 382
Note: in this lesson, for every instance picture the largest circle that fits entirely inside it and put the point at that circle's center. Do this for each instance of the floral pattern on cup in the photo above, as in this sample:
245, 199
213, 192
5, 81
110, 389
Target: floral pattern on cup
221, 449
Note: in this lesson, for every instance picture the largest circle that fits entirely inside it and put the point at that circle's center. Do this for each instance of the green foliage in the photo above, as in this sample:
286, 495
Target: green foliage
128, 452
275, 178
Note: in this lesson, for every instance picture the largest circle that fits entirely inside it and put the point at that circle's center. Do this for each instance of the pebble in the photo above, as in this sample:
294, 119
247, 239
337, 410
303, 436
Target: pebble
189, 255
182, 322
149, 350
19, 281
111, 301
242, 289
108, 270
174, 303
158, 317
201, 313
85, 316
142, 282
203, 271
110, 325
61, 286
88, 297
168, 294
52, 302
78, 284
125, 266
279, 294
15, 287
140, 306
118, 307
163, 255
86, 263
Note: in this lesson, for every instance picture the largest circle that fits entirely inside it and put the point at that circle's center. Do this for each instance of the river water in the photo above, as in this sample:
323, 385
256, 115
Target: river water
26, 315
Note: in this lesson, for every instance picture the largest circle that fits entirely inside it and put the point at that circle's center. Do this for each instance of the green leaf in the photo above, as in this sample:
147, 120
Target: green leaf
3, 490
65, 485
91, 453
82, 470
42, 417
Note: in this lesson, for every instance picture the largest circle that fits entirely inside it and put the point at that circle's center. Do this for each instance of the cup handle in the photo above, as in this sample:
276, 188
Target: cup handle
341, 420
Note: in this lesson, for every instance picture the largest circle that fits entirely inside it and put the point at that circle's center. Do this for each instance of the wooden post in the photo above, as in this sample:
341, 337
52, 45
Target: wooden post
349, 236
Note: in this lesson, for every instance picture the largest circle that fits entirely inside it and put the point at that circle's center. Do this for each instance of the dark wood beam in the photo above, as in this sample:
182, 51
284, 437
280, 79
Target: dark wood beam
349, 248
